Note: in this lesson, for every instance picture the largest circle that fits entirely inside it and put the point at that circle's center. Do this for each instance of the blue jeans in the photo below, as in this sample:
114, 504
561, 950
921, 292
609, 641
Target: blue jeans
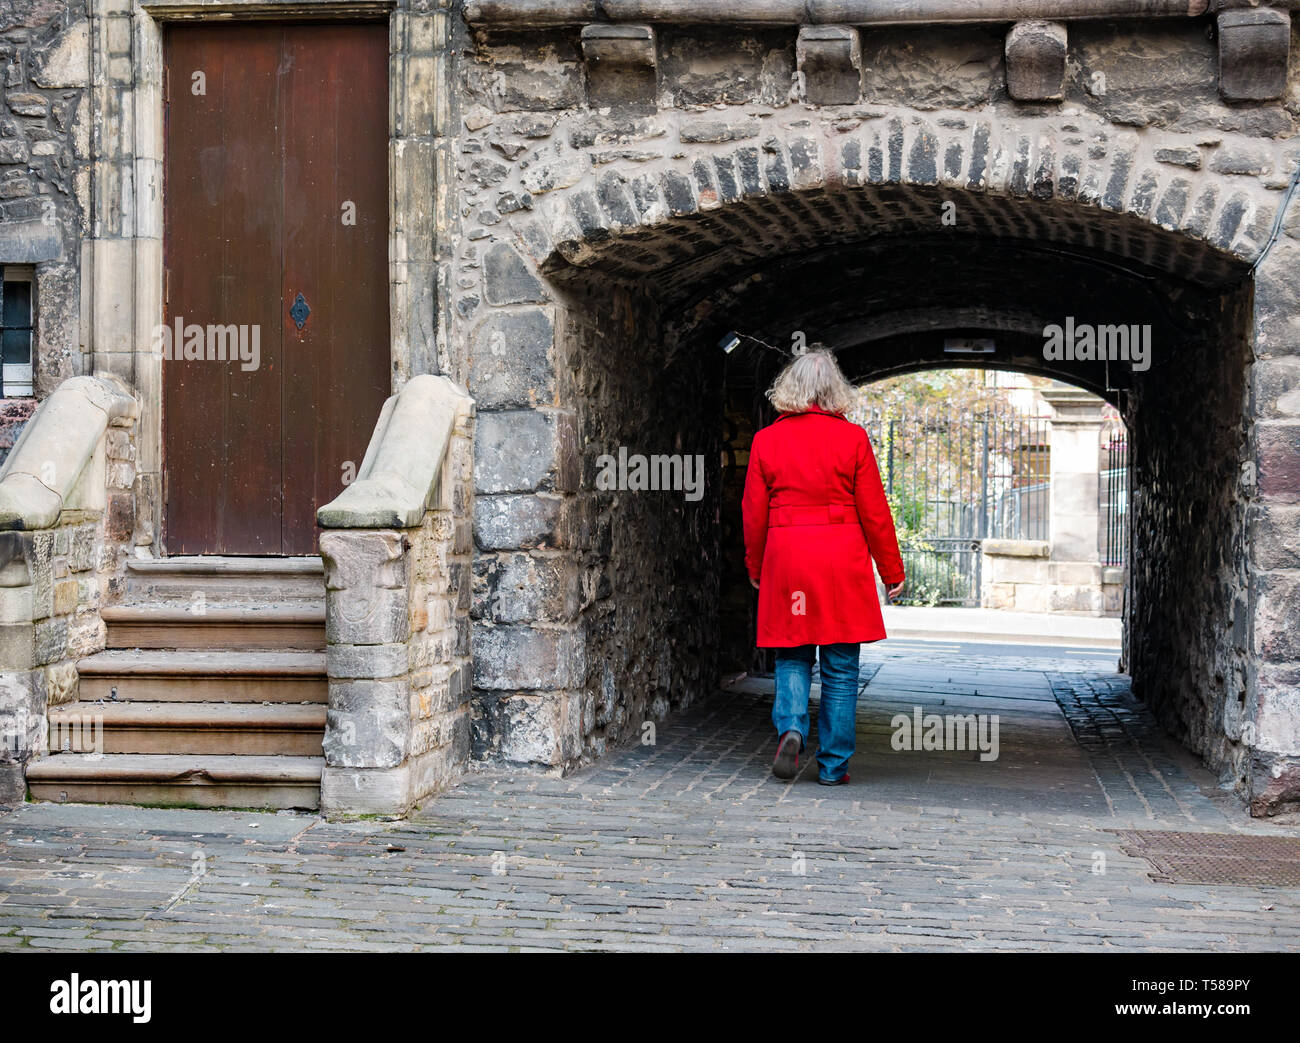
836, 720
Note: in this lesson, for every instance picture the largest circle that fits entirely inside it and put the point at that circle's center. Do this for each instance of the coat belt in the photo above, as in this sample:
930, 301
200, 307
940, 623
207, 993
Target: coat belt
827, 514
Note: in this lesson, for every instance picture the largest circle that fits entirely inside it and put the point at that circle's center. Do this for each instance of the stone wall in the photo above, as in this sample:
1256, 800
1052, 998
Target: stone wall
45, 134
608, 205
14, 414
1189, 623
55, 579
746, 411
1270, 477
398, 637
611, 229
1019, 576
595, 610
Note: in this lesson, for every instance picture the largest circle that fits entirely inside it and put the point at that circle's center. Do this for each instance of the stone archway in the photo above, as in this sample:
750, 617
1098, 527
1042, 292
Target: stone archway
623, 245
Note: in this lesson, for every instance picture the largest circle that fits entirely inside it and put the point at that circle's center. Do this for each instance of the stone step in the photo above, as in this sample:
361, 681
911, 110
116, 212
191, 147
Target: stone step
277, 625
247, 729
204, 780
222, 579
199, 676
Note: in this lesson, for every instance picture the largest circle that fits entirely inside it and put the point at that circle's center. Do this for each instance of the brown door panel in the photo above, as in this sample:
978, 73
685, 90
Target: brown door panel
337, 368
290, 124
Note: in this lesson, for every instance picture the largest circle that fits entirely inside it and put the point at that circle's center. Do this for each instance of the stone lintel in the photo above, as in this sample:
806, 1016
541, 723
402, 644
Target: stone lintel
180, 10
30, 242
534, 14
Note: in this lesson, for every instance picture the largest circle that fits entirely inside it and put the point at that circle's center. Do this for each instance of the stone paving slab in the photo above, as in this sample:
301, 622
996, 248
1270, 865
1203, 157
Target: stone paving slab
690, 844
956, 624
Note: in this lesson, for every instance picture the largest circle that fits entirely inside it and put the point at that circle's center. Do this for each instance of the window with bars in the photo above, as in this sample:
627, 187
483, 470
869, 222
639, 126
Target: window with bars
16, 332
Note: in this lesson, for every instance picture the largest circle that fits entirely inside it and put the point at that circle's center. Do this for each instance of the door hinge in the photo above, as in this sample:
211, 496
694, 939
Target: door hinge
167, 286
167, 86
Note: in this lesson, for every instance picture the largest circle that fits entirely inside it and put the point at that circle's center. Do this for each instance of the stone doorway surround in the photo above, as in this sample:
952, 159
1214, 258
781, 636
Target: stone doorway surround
122, 257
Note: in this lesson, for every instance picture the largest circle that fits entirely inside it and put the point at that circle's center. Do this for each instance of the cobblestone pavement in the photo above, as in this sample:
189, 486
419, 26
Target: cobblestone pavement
691, 844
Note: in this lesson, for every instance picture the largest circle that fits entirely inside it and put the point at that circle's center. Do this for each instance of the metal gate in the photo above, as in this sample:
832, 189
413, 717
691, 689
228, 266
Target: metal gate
954, 478
1112, 494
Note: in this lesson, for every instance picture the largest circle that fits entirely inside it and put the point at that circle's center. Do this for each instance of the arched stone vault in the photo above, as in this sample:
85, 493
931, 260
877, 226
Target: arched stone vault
719, 209
620, 248
860, 300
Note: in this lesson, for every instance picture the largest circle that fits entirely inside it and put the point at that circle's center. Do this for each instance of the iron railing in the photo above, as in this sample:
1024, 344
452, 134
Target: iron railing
1113, 495
955, 478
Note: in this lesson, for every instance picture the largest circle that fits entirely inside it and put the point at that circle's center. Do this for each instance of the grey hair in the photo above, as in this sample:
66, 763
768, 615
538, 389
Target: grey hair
812, 379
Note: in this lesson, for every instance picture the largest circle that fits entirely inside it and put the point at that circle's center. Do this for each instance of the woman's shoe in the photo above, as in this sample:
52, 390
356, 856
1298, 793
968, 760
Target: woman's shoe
834, 782
786, 763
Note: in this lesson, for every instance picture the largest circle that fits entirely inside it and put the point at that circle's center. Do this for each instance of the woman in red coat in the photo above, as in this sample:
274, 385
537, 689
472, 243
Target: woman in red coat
815, 517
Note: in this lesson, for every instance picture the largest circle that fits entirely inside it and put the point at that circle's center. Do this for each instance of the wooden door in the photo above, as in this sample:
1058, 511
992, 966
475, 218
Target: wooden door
275, 239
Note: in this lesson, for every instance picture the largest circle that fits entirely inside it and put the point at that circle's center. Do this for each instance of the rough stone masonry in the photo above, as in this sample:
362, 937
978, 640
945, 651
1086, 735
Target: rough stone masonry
626, 193
588, 196
44, 180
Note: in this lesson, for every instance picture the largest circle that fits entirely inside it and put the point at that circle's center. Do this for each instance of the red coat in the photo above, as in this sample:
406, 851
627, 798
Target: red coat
815, 517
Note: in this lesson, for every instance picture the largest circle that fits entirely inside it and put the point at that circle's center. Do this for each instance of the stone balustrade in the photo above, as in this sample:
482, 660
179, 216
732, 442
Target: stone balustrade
396, 546
67, 513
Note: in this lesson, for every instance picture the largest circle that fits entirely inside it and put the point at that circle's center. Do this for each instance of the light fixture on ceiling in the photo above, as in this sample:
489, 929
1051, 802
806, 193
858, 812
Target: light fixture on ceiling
732, 340
969, 346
